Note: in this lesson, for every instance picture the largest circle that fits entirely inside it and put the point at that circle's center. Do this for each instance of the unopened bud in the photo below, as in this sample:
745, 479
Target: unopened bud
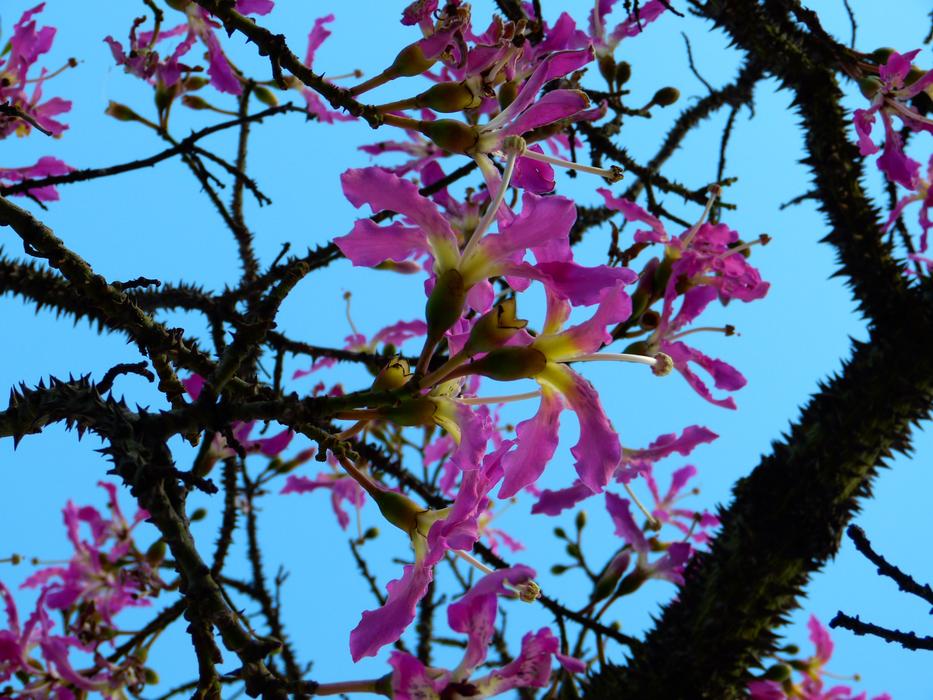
870, 86
607, 67
623, 73
507, 93
371, 533
632, 582
445, 303
152, 678
266, 96
580, 521
156, 552
560, 532
573, 550
451, 135
195, 82
16, 559
195, 102
164, 95
507, 364
198, 514
449, 97
778, 672
666, 96
559, 569
649, 320
882, 54
178, 4
122, 112
608, 581
494, 329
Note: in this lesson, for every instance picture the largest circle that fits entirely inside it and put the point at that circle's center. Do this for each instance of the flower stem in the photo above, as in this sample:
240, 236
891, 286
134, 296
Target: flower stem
614, 174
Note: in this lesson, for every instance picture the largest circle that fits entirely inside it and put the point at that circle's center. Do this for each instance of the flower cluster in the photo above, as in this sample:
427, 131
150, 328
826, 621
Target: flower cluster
106, 574
22, 103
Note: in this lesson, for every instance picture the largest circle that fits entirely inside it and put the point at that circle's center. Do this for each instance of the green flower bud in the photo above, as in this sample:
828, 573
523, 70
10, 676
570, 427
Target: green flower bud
445, 303
607, 67
494, 329
559, 569
778, 672
623, 73
560, 532
632, 582
195, 82
449, 97
195, 102
122, 113
152, 678
451, 135
507, 364
870, 86
666, 96
371, 533
573, 550
266, 96
156, 553
507, 93
198, 514
164, 96
882, 54
179, 5
580, 521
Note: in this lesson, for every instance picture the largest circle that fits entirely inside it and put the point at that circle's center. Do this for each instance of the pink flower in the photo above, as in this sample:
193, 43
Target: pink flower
144, 62
605, 41
453, 528
342, 489
26, 45
44, 167
924, 195
106, 570
691, 523
889, 95
316, 105
270, 447
670, 566
475, 615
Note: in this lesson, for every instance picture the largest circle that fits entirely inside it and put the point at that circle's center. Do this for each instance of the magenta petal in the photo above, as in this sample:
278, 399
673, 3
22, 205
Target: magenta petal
542, 220
475, 430
724, 375
254, 7
537, 440
316, 37
896, 68
369, 244
410, 679
819, 635
695, 301
585, 285
670, 567
270, 447
635, 24
765, 690
668, 444
382, 190
553, 502
532, 667
222, 76
893, 162
633, 212
533, 175
571, 664
598, 450
554, 66
552, 107
620, 511
864, 119
398, 333
386, 624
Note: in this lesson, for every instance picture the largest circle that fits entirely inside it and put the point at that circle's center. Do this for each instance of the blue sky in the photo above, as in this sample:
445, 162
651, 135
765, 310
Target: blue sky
156, 223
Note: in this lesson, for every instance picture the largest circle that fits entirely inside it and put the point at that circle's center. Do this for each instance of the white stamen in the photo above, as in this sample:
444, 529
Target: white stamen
652, 521
714, 193
616, 357
508, 398
494, 205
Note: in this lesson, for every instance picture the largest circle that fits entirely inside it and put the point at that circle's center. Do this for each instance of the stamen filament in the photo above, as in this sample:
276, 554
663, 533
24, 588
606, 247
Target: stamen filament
763, 239
438, 375
727, 330
493, 207
616, 357
652, 521
473, 561
357, 73
482, 400
714, 193
614, 174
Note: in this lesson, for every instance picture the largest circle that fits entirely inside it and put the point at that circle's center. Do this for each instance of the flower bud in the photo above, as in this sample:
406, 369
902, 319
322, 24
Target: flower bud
156, 553
371, 533
195, 82
164, 95
882, 54
152, 678
666, 96
409, 62
607, 67
393, 376
122, 112
778, 672
507, 364
609, 579
559, 569
507, 93
451, 135
445, 303
195, 102
198, 514
870, 86
580, 520
632, 582
179, 5
449, 97
560, 532
623, 73
494, 329
266, 96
